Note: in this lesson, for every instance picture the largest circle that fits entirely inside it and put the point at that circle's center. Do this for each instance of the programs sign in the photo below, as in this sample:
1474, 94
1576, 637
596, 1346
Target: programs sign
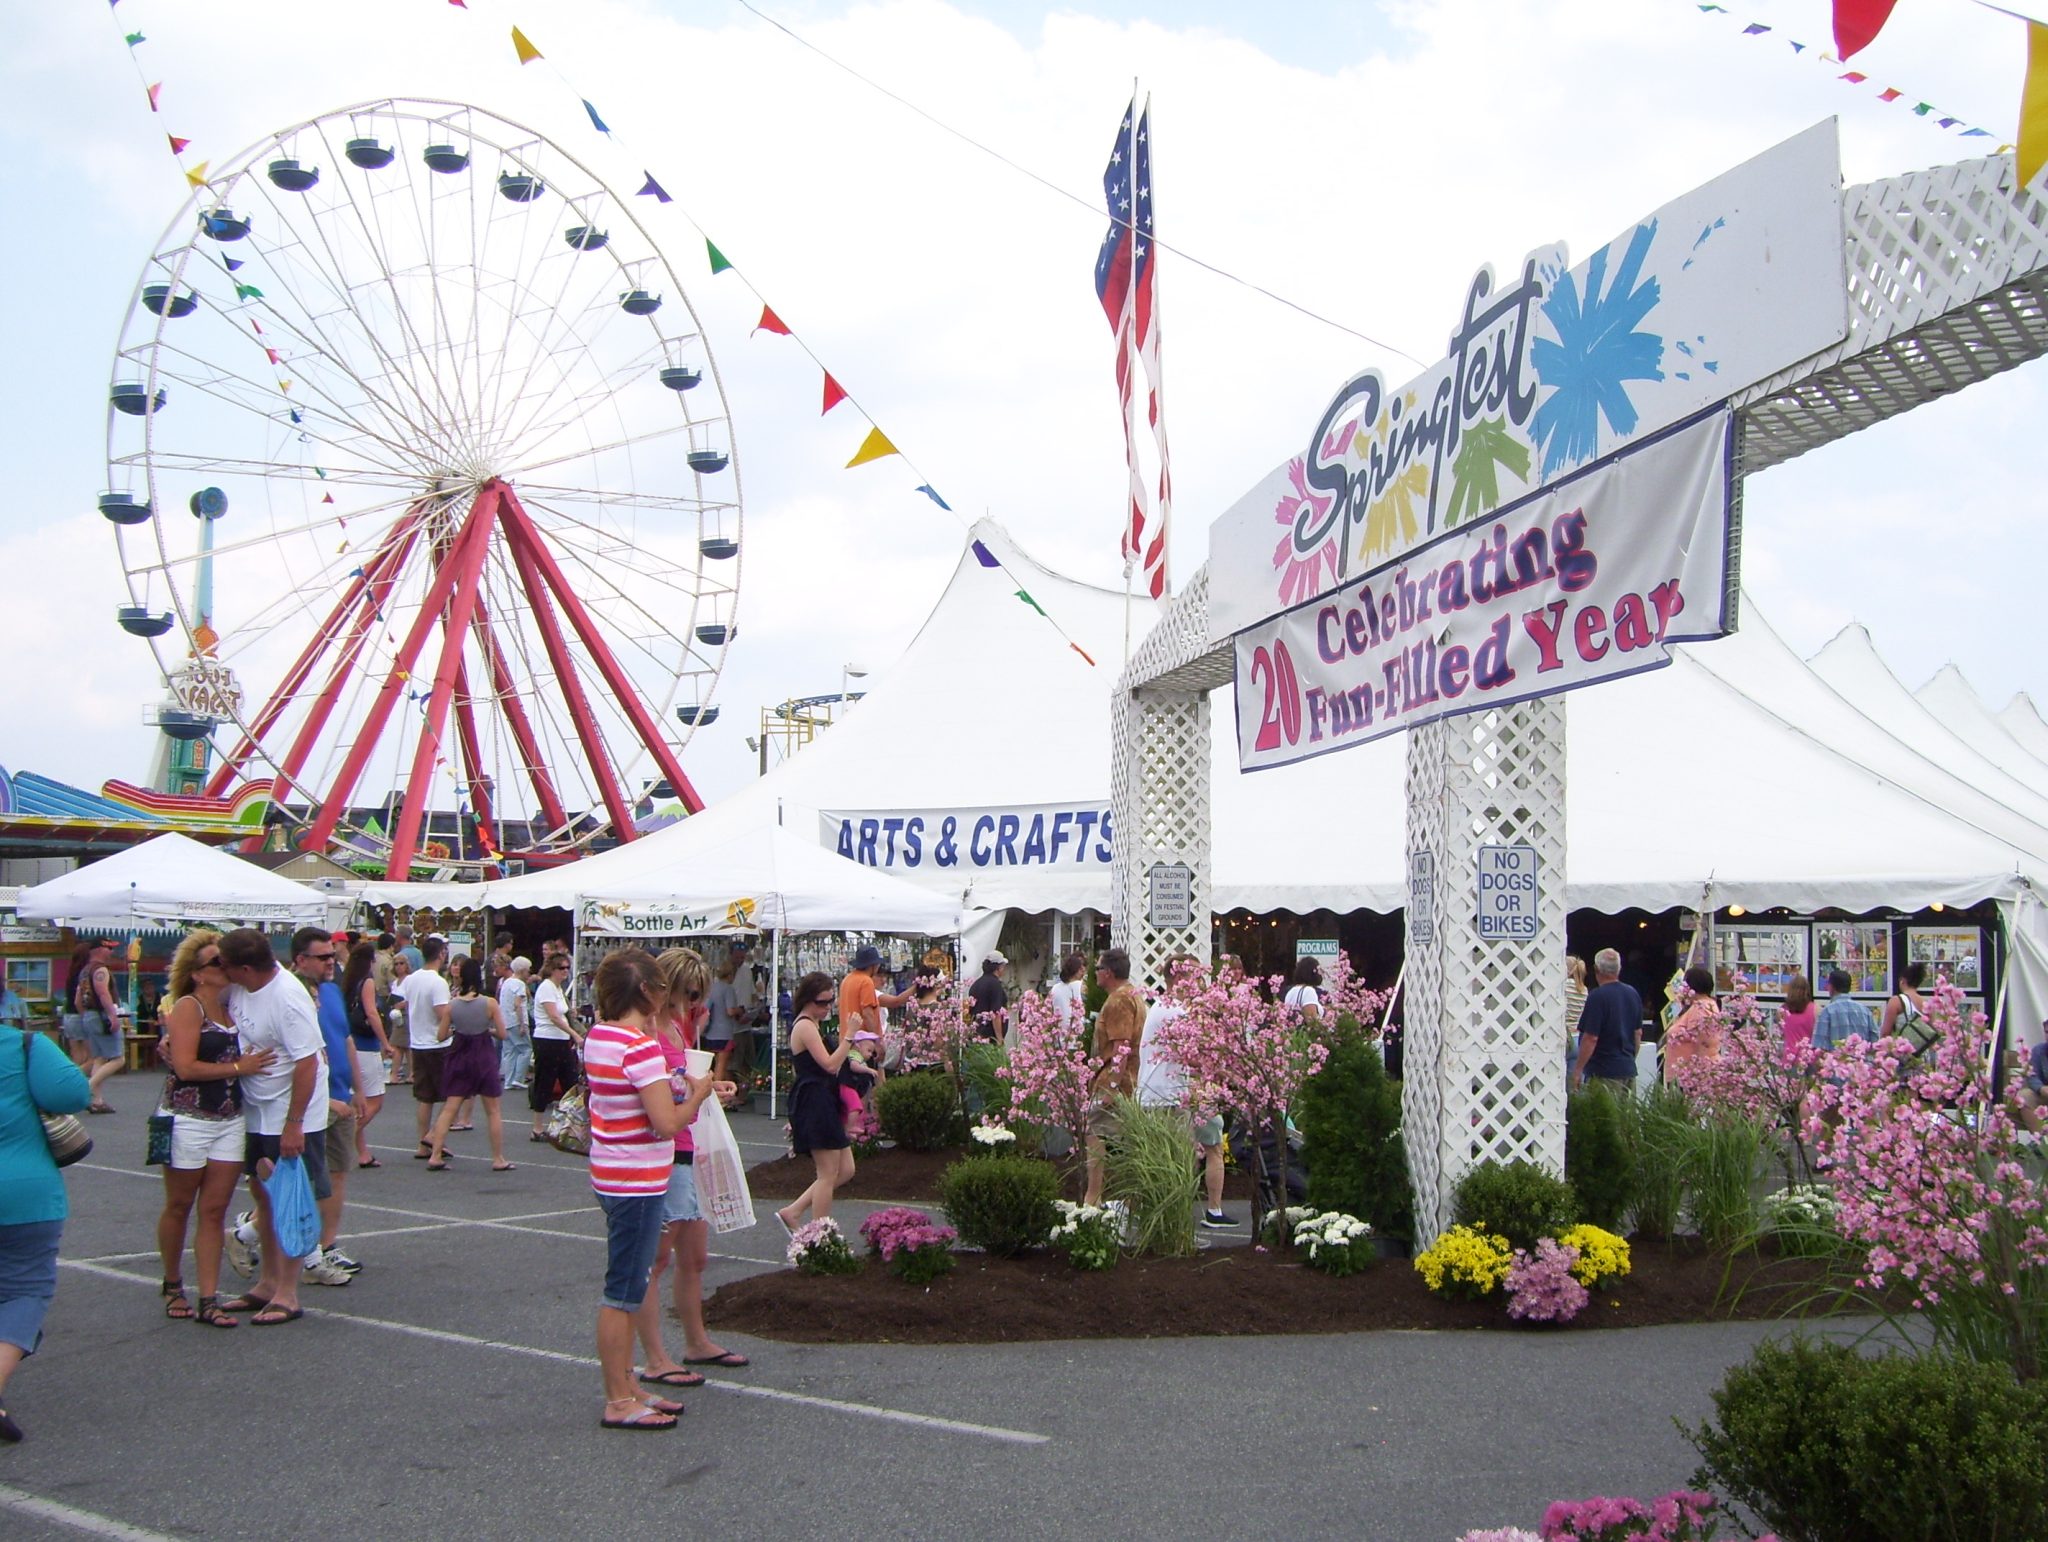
1591, 579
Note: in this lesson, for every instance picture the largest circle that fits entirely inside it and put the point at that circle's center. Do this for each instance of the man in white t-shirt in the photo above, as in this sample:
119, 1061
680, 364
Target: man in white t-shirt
426, 1030
285, 1103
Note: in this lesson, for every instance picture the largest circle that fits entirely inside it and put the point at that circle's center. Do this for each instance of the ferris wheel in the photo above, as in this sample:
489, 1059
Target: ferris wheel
414, 439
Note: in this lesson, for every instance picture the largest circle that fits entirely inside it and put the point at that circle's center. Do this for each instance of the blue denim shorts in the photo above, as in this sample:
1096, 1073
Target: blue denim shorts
28, 1279
632, 1232
681, 1203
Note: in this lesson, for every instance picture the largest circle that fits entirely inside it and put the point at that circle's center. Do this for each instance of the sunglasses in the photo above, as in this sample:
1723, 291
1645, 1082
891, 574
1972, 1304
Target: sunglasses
322, 958
211, 962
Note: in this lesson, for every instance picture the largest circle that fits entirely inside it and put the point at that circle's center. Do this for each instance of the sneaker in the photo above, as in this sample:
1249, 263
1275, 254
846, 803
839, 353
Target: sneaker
321, 1270
241, 1250
341, 1260
1216, 1220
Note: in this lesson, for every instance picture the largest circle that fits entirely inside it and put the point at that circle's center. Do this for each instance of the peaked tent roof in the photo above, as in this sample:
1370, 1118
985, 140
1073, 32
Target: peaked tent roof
2022, 720
1951, 697
171, 877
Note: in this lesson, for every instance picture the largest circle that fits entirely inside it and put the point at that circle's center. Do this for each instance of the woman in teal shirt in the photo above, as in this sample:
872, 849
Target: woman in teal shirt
32, 1202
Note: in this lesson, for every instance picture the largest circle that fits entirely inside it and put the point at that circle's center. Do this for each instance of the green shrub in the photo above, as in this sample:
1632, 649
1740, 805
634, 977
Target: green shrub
921, 1111
1598, 1161
1001, 1204
1150, 1166
1825, 1445
1658, 1126
1726, 1150
1516, 1200
1350, 1118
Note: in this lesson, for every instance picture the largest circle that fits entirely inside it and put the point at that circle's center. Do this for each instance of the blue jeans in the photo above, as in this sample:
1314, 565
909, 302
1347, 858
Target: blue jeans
515, 1058
28, 1279
632, 1235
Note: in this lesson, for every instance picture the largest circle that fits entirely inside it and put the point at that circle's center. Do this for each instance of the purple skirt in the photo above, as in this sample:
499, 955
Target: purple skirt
471, 1070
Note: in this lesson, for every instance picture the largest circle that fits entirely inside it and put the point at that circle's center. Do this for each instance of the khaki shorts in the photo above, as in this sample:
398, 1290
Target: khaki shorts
1103, 1123
341, 1143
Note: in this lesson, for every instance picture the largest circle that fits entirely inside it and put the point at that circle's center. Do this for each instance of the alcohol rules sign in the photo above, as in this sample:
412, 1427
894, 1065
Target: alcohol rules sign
1592, 578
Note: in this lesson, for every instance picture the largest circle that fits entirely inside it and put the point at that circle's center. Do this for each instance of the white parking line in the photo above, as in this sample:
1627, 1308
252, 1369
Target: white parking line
91, 1523
535, 1352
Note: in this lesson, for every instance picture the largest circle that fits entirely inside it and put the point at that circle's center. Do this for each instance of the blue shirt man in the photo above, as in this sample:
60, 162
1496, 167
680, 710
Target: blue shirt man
1843, 1018
1610, 1025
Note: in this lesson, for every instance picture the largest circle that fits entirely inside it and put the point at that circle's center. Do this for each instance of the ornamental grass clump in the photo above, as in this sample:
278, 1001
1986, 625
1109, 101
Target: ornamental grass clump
1541, 1287
819, 1247
1150, 1169
1603, 1257
1085, 1234
1466, 1263
1335, 1243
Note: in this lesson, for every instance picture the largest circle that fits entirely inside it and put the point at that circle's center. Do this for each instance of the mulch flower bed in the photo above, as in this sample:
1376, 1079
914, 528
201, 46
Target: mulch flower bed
912, 1178
1228, 1291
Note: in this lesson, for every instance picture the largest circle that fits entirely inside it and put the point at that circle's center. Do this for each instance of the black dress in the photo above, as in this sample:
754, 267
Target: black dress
816, 1120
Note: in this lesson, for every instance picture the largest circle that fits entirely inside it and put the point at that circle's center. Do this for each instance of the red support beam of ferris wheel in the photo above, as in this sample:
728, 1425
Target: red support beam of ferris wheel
466, 559
516, 719
587, 732
225, 771
321, 831
377, 590
623, 691
472, 756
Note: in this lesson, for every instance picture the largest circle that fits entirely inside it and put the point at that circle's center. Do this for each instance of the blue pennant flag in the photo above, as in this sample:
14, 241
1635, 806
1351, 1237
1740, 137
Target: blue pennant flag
984, 556
933, 493
595, 121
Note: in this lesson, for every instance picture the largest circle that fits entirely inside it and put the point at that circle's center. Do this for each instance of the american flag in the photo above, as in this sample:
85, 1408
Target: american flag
1124, 285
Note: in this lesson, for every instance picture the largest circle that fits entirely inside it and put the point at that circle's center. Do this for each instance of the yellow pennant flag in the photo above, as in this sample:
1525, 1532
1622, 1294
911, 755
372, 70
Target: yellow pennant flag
197, 175
874, 447
526, 51
2034, 106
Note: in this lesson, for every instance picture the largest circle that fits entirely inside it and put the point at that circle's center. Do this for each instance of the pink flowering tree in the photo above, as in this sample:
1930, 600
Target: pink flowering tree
1753, 1076
1049, 1070
1930, 1180
938, 1031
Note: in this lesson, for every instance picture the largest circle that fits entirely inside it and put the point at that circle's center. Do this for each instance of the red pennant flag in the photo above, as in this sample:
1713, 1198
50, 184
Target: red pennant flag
273, 354
177, 144
330, 497
770, 322
257, 325
1889, 94
1858, 22
1083, 652
154, 92
835, 393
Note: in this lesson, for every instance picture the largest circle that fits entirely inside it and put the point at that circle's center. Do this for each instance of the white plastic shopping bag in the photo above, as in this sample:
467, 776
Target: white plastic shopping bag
721, 1180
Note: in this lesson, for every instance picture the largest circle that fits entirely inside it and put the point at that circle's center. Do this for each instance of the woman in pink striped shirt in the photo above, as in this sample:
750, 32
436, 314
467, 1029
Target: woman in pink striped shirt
633, 1125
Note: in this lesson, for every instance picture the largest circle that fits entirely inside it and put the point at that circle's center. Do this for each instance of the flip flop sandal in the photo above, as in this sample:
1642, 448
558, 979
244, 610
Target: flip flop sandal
662, 1405
371, 1162
672, 1379
437, 1167
727, 1358
273, 1316
247, 1301
176, 1306
644, 1419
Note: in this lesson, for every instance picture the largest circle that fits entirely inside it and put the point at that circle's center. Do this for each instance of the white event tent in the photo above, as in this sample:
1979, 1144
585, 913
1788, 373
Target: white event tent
171, 877
1737, 775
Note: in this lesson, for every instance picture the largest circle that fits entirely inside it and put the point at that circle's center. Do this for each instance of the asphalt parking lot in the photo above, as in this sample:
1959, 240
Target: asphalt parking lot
452, 1391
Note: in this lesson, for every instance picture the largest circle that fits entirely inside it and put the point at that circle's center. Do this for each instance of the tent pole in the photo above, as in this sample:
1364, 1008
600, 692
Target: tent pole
774, 1020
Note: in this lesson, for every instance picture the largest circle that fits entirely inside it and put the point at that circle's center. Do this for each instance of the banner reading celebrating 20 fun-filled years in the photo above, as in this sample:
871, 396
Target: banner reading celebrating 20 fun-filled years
1065, 835
1590, 579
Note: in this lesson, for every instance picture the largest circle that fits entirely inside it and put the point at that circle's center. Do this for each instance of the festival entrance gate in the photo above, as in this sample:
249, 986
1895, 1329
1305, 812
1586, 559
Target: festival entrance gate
1942, 281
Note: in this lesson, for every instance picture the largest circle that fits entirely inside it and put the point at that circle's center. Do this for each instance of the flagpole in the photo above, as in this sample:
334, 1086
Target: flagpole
1163, 504
1128, 363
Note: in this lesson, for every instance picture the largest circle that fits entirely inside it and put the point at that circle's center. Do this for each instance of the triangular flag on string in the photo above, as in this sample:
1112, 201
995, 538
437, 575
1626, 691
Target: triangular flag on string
1797, 48
1858, 22
284, 385
718, 259
526, 51
327, 498
770, 322
1890, 94
272, 353
1922, 109
595, 121
232, 264
835, 393
133, 38
1854, 77
2033, 134
297, 416
653, 188
248, 292
196, 177
1026, 598
458, 5
983, 555
932, 493
874, 447
1976, 133
255, 326
177, 144
320, 472
154, 92
1948, 122
1755, 29
1082, 651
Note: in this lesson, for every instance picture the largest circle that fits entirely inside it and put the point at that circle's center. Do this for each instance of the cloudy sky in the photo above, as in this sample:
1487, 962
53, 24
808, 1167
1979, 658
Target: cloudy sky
1360, 160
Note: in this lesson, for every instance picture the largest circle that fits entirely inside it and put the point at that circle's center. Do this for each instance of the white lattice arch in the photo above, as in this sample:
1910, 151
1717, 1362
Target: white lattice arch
1947, 275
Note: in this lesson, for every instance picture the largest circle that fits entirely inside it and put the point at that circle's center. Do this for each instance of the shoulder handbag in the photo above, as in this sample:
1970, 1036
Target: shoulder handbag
566, 1124
64, 1134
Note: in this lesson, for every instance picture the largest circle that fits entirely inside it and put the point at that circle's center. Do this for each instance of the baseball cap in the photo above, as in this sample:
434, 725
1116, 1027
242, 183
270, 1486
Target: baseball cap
867, 957
993, 958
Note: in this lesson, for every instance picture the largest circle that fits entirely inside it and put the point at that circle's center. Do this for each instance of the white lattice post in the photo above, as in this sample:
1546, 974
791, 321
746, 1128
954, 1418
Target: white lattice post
1159, 801
1483, 1047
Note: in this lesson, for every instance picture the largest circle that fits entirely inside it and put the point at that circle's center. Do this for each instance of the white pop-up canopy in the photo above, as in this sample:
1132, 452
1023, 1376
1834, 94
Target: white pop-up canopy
171, 877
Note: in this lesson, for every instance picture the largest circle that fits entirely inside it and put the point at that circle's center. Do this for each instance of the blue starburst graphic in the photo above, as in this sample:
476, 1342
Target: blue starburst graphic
1598, 350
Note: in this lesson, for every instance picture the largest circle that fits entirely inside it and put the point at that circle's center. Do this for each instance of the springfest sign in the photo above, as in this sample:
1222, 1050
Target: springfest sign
1547, 373
1065, 835
1590, 579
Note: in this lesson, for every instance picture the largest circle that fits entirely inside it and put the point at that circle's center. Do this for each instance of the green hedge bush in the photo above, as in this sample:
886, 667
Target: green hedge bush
1516, 1200
1350, 1118
1001, 1204
1599, 1162
921, 1111
1823, 1444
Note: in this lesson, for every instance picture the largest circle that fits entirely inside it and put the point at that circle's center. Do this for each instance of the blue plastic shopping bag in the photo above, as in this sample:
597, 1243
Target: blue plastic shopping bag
294, 1214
